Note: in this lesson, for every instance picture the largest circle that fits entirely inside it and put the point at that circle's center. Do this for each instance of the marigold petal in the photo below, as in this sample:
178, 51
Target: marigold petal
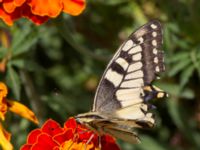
3, 109
26, 12
3, 66
9, 6
70, 123
71, 145
37, 19
51, 8
3, 91
73, 7
33, 135
45, 142
9, 18
26, 147
19, 2
22, 110
51, 127
5, 139
108, 142
65, 136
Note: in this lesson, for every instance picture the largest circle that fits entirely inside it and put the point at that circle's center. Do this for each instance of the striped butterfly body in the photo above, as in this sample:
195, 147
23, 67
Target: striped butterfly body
121, 102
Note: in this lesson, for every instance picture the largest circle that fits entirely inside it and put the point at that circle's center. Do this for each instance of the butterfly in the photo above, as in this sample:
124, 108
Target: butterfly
121, 103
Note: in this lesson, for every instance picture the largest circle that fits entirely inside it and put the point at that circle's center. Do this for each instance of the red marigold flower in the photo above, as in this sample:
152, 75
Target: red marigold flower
72, 136
38, 11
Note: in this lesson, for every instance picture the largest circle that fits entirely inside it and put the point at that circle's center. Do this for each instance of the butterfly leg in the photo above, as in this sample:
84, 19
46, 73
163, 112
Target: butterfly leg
89, 140
99, 137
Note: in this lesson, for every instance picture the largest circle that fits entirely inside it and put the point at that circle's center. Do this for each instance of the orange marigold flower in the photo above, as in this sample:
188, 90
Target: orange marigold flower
38, 11
72, 136
5, 139
15, 107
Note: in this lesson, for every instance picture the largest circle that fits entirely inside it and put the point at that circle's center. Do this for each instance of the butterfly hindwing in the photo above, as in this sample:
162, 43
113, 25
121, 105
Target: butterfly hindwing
135, 65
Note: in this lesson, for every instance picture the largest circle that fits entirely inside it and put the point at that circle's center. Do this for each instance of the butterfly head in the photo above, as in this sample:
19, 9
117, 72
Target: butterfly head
84, 118
89, 119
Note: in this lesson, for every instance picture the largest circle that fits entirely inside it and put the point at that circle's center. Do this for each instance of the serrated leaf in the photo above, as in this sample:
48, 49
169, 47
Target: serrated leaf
19, 35
25, 45
13, 81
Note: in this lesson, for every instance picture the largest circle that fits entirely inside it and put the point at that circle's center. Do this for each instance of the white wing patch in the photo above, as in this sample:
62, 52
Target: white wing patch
135, 112
122, 62
128, 45
136, 74
154, 43
133, 83
154, 34
135, 49
155, 60
153, 26
157, 69
141, 40
135, 66
128, 94
137, 57
155, 51
114, 77
129, 97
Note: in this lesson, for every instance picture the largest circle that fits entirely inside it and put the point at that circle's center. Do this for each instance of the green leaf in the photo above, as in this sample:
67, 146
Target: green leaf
173, 108
181, 65
113, 2
3, 51
26, 64
13, 81
150, 144
179, 57
188, 94
24, 41
186, 74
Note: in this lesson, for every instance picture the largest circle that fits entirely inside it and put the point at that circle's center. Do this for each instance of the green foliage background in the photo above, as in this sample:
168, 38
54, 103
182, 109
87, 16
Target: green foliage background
54, 68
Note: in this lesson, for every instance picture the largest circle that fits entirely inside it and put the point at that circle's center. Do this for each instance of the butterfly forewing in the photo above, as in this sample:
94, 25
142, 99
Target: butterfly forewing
135, 65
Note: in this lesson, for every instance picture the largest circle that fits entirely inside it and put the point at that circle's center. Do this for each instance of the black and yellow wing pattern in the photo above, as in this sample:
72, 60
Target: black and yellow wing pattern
122, 98
135, 65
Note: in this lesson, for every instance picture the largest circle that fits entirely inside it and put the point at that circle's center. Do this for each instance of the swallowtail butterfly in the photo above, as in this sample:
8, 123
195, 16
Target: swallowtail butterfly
121, 103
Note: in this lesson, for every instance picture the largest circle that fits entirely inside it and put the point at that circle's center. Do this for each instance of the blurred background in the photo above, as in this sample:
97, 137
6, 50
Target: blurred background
55, 68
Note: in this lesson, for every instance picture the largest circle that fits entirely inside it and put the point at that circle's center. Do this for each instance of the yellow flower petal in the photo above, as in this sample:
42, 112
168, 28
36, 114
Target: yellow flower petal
3, 109
22, 110
3, 91
5, 139
71, 145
